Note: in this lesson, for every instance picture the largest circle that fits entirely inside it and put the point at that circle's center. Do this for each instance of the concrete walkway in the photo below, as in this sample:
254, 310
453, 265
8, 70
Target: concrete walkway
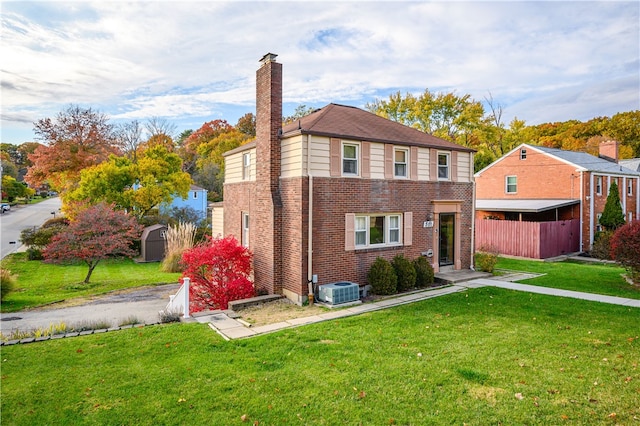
230, 328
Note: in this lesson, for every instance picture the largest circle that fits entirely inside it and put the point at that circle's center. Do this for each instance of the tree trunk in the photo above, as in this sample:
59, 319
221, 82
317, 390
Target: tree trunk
92, 266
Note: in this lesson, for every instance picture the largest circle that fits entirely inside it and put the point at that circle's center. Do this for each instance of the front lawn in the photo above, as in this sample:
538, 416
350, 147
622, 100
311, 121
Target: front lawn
597, 278
42, 283
485, 356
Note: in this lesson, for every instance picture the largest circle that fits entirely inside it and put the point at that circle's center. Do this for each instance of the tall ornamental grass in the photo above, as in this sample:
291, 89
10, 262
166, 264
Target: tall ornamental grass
179, 238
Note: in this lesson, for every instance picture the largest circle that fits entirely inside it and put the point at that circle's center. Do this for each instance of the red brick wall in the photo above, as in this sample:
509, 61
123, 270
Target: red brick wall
335, 197
238, 198
538, 176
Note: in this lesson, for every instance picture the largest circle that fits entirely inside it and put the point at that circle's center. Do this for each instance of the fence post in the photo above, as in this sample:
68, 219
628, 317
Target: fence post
185, 283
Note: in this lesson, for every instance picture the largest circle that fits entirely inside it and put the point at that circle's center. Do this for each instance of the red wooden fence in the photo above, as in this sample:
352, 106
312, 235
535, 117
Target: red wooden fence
537, 240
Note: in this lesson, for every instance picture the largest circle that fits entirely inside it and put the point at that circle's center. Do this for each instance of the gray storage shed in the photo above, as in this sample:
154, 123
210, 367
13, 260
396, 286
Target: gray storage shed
152, 243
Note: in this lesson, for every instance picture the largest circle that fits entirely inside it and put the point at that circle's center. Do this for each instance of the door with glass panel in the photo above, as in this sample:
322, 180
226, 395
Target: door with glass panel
447, 238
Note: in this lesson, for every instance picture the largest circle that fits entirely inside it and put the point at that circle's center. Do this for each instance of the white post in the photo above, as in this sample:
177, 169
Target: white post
185, 283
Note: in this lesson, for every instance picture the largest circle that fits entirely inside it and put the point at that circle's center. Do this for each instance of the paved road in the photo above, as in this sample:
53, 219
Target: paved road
22, 217
114, 308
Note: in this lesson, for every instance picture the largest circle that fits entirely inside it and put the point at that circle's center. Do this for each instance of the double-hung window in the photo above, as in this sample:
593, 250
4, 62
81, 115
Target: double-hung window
523, 154
511, 184
350, 159
377, 230
400, 157
629, 187
246, 166
245, 229
599, 185
443, 166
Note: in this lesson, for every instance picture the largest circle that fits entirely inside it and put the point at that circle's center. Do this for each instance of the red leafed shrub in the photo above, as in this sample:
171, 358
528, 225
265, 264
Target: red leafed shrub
219, 271
625, 247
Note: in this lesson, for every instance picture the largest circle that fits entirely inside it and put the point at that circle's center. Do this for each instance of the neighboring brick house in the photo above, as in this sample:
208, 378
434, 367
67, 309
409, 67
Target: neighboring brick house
327, 194
536, 183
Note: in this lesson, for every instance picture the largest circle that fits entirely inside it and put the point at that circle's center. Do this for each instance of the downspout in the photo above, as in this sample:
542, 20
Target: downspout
591, 213
581, 210
473, 214
310, 226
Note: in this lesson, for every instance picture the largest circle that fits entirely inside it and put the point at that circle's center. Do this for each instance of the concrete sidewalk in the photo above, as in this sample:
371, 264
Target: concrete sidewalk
230, 328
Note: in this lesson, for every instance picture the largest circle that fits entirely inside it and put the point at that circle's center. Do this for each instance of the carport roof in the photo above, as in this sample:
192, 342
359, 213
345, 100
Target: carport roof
524, 206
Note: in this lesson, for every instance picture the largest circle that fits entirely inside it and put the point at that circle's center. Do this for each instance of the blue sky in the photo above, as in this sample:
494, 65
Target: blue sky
192, 62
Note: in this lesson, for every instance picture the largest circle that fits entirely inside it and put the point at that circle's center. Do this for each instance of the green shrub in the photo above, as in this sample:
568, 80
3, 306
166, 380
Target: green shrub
7, 283
486, 259
601, 248
382, 277
405, 272
424, 272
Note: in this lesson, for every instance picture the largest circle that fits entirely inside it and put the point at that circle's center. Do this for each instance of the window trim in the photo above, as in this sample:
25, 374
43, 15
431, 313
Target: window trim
598, 185
246, 223
396, 163
523, 153
387, 230
507, 184
447, 167
356, 159
246, 166
629, 186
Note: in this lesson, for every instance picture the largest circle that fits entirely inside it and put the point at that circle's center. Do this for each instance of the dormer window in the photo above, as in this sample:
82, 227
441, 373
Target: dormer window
523, 154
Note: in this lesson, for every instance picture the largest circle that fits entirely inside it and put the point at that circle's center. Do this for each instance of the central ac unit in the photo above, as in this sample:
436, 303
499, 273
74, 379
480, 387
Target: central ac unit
338, 293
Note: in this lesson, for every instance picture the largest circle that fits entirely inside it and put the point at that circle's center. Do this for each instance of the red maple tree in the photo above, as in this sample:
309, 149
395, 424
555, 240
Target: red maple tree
97, 233
625, 247
219, 271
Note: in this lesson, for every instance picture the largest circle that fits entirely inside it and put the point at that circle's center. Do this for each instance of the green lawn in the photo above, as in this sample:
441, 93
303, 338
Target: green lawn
597, 278
486, 356
41, 283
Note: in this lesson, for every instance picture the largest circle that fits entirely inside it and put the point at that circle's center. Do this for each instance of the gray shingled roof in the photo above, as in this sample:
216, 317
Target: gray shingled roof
587, 161
632, 163
346, 122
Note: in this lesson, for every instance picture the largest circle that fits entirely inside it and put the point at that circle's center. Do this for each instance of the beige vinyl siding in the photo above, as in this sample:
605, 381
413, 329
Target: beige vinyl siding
423, 164
320, 158
464, 167
292, 157
377, 161
217, 221
233, 167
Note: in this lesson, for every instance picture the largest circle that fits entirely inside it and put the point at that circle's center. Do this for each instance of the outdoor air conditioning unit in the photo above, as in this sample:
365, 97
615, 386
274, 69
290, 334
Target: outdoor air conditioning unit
338, 293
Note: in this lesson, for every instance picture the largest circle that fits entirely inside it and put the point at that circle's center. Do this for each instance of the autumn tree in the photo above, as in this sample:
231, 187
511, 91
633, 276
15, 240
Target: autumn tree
75, 139
625, 247
97, 233
298, 113
130, 137
137, 187
612, 216
219, 270
247, 124
156, 126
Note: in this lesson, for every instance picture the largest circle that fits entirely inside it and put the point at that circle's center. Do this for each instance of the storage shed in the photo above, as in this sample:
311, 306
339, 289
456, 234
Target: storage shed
152, 243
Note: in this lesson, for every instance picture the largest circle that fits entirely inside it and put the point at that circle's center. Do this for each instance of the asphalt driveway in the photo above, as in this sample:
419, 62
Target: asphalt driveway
143, 303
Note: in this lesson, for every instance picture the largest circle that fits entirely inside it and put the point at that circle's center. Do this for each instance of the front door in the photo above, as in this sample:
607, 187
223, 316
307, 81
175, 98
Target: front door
447, 238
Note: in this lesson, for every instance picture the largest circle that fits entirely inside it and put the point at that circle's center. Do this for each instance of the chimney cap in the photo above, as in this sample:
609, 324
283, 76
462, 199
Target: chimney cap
269, 57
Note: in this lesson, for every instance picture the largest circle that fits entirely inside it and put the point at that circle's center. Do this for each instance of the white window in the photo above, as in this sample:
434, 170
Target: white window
350, 159
523, 154
599, 185
629, 187
377, 230
511, 184
400, 157
245, 229
195, 195
443, 166
630, 217
598, 226
246, 166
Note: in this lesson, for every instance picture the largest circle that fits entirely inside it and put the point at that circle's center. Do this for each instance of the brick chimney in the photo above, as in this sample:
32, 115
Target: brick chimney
608, 150
267, 218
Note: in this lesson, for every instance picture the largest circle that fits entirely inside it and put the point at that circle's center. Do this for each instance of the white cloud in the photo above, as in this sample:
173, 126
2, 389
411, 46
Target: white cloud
183, 60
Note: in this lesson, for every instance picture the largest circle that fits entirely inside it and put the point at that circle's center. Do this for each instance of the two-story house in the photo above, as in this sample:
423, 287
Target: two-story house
538, 184
317, 200
196, 200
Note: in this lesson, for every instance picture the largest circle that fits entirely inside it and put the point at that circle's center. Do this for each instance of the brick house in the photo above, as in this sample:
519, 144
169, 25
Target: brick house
538, 184
324, 196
